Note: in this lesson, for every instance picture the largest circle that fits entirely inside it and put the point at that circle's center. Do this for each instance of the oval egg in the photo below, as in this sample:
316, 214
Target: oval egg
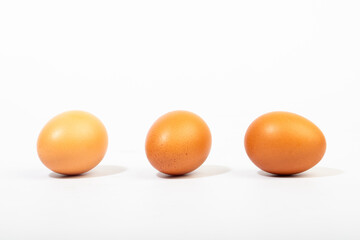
178, 143
72, 143
284, 143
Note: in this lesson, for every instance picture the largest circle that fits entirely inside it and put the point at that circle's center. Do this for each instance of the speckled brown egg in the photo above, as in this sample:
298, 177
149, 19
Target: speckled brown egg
178, 143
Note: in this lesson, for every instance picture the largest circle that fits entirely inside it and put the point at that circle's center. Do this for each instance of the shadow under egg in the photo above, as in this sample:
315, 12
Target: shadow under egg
311, 173
99, 171
203, 171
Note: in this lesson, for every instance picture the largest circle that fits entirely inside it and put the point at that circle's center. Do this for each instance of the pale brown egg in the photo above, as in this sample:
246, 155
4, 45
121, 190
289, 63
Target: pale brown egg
72, 143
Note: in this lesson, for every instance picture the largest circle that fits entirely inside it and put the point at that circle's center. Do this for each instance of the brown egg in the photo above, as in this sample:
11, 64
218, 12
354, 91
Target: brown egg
284, 143
72, 143
178, 143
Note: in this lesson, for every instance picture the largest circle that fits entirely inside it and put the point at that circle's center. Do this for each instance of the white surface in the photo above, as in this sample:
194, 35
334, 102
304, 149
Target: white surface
128, 62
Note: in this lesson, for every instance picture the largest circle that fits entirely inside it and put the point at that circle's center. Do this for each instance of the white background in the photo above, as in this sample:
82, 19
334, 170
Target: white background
128, 62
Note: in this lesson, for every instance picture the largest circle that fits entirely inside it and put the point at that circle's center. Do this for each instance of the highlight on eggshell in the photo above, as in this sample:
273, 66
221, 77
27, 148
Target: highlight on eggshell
178, 143
284, 143
72, 143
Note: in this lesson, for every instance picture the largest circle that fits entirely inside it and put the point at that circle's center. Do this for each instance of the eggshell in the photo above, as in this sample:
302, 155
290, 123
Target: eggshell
72, 143
284, 143
178, 143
